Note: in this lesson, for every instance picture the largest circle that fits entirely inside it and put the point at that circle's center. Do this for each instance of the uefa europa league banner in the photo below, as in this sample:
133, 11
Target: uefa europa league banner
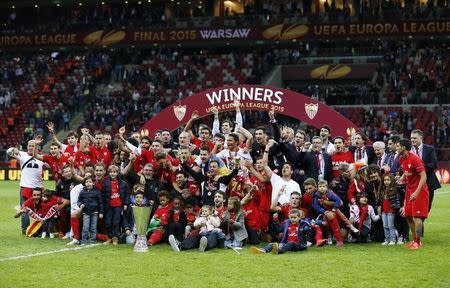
251, 97
278, 32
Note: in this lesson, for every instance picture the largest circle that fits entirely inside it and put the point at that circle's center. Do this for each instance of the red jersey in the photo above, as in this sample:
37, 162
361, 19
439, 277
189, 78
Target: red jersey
45, 206
285, 210
412, 166
56, 164
199, 144
99, 184
387, 206
101, 154
69, 150
82, 158
338, 158
190, 218
307, 204
30, 204
163, 213
292, 233
176, 216
115, 200
252, 213
356, 187
147, 156
266, 193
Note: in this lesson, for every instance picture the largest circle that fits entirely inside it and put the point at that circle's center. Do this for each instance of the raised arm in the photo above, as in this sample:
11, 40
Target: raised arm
216, 122
188, 127
247, 134
85, 131
198, 177
265, 158
239, 119
37, 141
254, 172
275, 128
51, 129
130, 164
274, 205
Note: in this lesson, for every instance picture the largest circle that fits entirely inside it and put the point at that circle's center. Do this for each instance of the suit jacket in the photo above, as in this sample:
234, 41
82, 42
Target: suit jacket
430, 160
311, 169
238, 227
371, 157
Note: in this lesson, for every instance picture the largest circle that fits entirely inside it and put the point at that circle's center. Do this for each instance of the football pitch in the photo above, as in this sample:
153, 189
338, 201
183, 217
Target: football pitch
35, 262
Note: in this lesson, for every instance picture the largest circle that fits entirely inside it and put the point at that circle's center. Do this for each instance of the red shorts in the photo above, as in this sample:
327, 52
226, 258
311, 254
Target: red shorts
419, 207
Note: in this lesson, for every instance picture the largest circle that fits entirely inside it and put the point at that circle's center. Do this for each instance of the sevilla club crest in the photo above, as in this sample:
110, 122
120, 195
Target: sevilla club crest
179, 111
311, 110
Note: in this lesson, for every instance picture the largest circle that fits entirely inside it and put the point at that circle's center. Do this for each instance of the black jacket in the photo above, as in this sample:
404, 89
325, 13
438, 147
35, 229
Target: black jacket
430, 160
92, 200
123, 191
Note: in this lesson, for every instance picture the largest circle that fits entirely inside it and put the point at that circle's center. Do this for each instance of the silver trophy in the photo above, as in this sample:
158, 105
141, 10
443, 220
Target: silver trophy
141, 217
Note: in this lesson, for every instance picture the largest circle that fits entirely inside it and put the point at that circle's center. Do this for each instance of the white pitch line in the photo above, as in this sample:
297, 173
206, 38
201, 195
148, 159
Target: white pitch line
46, 253
443, 192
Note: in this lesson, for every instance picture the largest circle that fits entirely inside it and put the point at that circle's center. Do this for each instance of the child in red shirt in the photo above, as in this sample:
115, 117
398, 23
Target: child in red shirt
115, 193
162, 215
294, 235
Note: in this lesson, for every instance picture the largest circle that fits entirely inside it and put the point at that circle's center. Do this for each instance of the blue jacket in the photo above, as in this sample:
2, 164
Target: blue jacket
92, 200
123, 191
303, 229
331, 197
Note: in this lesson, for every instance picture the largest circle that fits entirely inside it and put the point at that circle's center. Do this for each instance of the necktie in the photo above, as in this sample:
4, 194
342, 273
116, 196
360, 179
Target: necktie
298, 148
417, 152
359, 154
379, 162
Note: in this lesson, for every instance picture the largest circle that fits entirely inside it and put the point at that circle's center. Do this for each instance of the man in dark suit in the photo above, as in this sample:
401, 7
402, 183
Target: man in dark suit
317, 163
428, 156
361, 151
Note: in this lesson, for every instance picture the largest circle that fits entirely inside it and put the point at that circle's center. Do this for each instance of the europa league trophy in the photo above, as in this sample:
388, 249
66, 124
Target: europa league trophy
141, 217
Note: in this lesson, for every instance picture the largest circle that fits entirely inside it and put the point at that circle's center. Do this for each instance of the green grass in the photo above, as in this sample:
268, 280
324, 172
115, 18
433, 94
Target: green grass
357, 265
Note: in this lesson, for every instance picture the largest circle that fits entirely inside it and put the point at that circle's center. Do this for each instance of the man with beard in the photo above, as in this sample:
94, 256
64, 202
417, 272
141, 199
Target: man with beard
340, 156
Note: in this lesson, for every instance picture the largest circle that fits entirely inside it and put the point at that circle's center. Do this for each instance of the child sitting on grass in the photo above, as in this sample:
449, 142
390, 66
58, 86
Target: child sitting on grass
50, 205
208, 225
294, 235
160, 220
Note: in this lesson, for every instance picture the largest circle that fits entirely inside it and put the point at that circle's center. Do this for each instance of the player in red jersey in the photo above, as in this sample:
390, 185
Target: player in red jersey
83, 156
262, 181
415, 206
72, 141
341, 155
56, 160
99, 149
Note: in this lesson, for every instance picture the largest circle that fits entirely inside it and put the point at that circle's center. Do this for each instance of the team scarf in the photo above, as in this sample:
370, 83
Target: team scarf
51, 212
